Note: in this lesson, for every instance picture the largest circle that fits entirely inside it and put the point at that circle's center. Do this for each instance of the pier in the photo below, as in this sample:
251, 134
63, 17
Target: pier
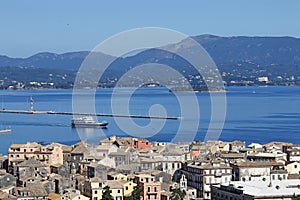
35, 112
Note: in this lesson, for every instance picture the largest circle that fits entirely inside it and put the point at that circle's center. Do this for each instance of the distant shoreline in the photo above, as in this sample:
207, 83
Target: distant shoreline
217, 90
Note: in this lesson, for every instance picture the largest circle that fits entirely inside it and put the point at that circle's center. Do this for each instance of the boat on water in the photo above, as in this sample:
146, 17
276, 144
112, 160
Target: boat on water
5, 131
88, 122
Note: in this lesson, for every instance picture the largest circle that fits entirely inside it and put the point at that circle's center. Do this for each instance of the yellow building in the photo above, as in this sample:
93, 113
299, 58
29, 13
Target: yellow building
116, 189
93, 188
128, 188
119, 189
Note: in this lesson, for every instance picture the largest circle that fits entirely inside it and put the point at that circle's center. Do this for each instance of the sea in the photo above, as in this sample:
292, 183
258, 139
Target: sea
253, 114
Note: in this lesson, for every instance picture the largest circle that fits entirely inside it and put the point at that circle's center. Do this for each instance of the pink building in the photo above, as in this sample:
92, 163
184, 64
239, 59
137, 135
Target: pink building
151, 188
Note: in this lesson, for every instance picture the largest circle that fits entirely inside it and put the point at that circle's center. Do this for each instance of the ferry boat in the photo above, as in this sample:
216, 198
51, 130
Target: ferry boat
2, 131
88, 122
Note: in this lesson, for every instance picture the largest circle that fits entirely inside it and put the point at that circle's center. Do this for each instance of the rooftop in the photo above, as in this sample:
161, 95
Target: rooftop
264, 188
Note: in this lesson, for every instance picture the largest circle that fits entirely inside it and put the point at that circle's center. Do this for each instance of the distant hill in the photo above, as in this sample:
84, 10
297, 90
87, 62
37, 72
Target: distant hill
240, 58
260, 50
66, 61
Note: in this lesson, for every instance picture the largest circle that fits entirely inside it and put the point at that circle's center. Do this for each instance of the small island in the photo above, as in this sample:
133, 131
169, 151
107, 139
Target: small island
197, 88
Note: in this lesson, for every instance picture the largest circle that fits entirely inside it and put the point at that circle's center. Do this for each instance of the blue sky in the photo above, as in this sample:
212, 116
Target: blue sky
32, 26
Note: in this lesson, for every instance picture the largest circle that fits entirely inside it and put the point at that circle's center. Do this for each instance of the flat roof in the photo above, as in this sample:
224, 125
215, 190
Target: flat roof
265, 189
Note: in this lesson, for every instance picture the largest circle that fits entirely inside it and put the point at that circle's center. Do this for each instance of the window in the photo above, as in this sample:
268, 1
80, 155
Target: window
147, 180
119, 191
95, 198
96, 192
295, 166
155, 190
149, 189
126, 188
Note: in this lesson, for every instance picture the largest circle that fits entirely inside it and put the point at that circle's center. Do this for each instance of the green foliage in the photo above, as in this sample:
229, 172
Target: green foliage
106, 194
136, 193
296, 198
177, 194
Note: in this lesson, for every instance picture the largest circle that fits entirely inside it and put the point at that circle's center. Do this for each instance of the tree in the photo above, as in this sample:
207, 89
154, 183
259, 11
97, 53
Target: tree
296, 197
177, 194
136, 193
106, 194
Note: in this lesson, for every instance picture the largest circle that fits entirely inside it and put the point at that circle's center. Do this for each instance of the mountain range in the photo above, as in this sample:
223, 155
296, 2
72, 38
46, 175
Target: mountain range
240, 56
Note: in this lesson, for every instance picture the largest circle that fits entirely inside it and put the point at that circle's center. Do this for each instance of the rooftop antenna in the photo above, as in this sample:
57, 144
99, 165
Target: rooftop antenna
31, 103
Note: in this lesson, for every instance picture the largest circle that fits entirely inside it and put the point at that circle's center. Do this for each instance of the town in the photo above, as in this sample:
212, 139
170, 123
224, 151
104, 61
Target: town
123, 168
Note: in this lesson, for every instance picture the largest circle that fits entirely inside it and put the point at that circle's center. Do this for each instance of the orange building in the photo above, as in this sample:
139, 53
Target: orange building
142, 143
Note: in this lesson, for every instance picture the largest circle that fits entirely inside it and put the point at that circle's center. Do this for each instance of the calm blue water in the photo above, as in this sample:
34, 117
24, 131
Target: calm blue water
254, 114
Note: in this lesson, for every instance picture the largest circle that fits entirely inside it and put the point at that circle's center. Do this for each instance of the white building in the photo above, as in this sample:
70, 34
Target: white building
253, 170
251, 190
263, 79
293, 167
201, 175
